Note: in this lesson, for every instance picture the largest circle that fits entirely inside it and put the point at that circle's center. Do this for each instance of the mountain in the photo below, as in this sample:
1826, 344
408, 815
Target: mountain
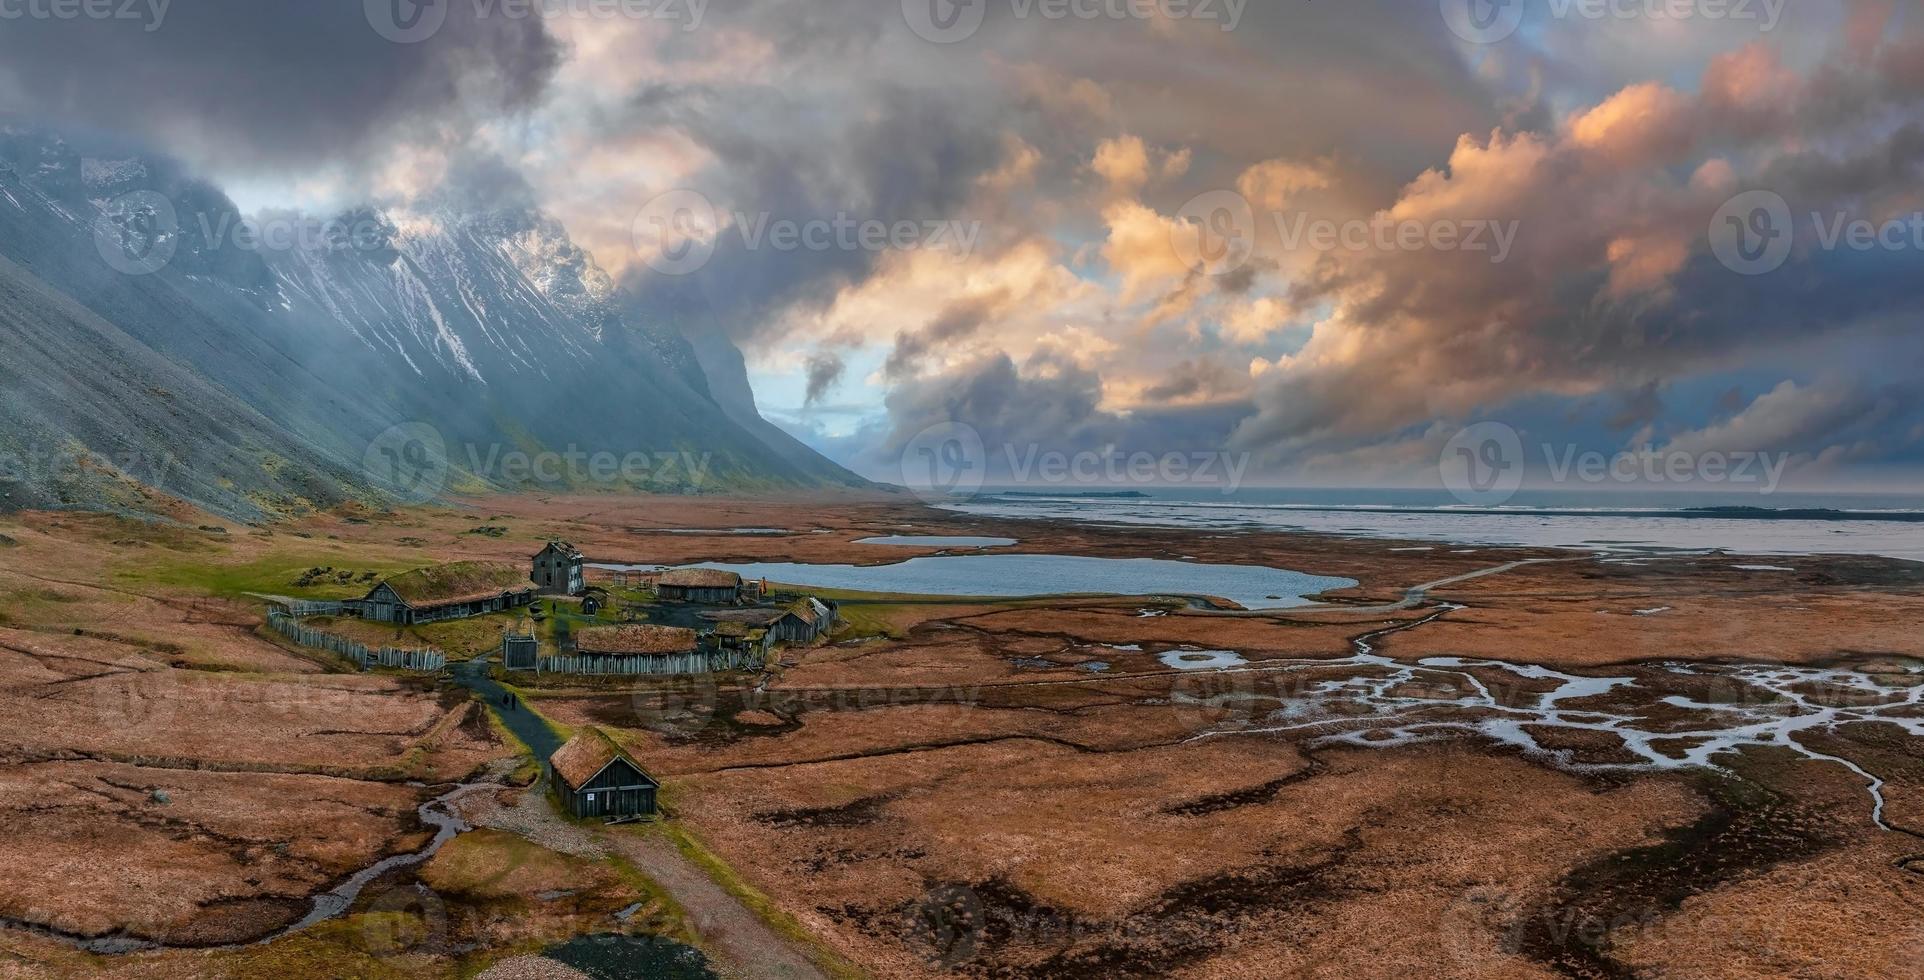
269, 365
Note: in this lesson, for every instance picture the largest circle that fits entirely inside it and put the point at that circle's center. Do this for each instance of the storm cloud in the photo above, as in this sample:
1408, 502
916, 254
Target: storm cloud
1100, 299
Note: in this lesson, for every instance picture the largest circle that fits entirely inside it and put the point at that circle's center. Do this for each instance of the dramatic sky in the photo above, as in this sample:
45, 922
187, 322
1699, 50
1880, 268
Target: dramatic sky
1607, 226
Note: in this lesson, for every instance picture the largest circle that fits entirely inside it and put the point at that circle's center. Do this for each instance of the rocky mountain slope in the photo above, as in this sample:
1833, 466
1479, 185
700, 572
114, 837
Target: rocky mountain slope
264, 365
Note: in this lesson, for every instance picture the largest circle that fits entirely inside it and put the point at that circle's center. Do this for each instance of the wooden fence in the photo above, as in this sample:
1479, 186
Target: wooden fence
698, 662
303, 608
425, 661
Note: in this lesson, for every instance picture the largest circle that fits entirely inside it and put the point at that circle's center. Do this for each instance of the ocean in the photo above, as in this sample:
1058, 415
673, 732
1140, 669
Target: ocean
1778, 524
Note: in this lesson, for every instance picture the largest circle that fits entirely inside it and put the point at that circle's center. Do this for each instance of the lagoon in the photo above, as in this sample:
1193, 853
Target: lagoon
1020, 576
938, 541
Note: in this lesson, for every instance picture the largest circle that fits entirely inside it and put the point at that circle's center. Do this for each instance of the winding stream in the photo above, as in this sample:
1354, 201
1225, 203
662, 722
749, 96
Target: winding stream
437, 813
1387, 703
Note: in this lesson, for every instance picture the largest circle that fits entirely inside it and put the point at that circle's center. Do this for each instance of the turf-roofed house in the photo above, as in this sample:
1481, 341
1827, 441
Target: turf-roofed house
441, 592
596, 778
707, 586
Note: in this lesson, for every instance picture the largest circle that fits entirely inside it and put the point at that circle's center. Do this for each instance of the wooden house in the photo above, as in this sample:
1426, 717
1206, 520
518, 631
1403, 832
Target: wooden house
559, 569
442, 592
597, 779
668, 649
803, 621
707, 586
642, 649
743, 638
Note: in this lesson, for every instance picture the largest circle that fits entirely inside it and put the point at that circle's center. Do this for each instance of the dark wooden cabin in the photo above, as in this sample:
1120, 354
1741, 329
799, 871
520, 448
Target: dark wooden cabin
802, 621
559, 569
596, 779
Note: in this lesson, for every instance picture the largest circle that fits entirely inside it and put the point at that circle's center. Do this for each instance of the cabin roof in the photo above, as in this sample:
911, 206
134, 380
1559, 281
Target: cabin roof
750, 617
809, 610
462, 581
635, 639
701, 578
587, 754
566, 550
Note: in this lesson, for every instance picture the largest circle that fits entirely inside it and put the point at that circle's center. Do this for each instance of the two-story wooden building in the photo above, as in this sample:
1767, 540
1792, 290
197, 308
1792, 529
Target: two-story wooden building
597, 779
559, 569
441, 592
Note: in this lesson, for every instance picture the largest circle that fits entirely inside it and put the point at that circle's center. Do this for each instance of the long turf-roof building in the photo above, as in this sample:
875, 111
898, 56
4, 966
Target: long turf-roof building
442, 592
708, 586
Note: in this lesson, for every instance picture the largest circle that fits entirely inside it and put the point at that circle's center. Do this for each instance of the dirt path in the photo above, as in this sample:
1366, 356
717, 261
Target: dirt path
740, 943
748, 947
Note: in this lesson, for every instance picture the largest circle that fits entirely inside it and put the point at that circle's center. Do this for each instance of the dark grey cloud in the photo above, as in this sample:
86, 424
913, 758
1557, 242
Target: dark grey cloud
825, 370
272, 85
958, 321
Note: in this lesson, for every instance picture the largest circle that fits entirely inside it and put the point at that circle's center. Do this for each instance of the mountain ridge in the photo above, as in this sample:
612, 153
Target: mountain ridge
477, 335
